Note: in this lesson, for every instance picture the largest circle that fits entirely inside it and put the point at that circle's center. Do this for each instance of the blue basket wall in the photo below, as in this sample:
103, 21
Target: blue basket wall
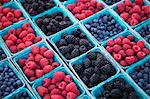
125, 33
27, 51
57, 37
132, 69
50, 75
17, 74
97, 15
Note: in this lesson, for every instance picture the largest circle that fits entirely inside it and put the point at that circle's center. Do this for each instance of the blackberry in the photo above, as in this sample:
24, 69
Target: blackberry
83, 36
76, 32
87, 63
68, 56
70, 38
92, 55
78, 68
83, 49
116, 93
97, 70
75, 53
62, 42
94, 79
71, 47
88, 71
83, 42
64, 49
103, 77
85, 80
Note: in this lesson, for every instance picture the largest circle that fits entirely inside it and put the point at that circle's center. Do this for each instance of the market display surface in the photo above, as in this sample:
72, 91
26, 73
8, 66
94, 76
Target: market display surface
74, 49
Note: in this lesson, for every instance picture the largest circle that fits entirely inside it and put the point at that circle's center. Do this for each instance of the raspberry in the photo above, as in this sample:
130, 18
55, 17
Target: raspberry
17, 13
42, 90
55, 91
44, 62
62, 85
38, 57
42, 50
128, 3
130, 60
77, 10
126, 46
136, 48
13, 49
123, 63
30, 37
48, 54
55, 64
68, 79
26, 26
46, 82
133, 22
47, 96
121, 7
57, 97
146, 51
12, 37
117, 57
32, 78
59, 76
23, 34
122, 53
21, 62
109, 49
35, 49
71, 87
8, 23
140, 43
124, 15
117, 48
110, 43
125, 41
64, 93
88, 13
139, 2
129, 52
47, 68
118, 41
141, 55
132, 43
39, 73
21, 46
28, 43
71, 6
10, 16
136, 16
30, 57
29, 72
80, 16
37, 39
9, 43
4, 19
146, 9
31, 65
71, 95
6, 10
51, 87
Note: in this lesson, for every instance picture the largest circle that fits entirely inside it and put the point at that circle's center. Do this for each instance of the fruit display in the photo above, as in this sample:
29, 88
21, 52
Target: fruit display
74, 49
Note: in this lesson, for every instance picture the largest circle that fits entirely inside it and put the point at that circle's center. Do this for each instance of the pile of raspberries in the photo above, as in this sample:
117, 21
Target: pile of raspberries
8, 16
126, 51
85, 8
61, 86
133, 12
39, 61
20, 38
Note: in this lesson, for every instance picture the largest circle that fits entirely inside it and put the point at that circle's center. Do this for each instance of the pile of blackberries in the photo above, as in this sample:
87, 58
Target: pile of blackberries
118, 89
9, 82
103, 27
73, 45
145, 32
23, 95
94, 69
35, 7
141, 76
53, 23
111, 2
2, 54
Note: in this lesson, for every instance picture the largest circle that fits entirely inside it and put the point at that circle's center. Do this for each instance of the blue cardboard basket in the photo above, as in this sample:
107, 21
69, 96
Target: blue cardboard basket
85, 97
17, 74
50, 75
125, 33
20, 91
16, 26
145, 3
49, 12
15, 6
25, 53
7, 3
83, 57
74, 1
147, 23
132, 69
57, 37
19, 2
107, 12
100, 89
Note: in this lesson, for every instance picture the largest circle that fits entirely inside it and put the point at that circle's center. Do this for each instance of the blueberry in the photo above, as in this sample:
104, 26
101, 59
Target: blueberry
139, 75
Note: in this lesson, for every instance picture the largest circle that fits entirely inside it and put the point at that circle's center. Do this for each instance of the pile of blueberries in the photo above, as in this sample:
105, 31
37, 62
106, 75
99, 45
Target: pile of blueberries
118, 89
2, 54
73, 45
145, 32
23, 95
9, 82
141, 76
103, 27
111, 2
53, 23
94, 69
35, 7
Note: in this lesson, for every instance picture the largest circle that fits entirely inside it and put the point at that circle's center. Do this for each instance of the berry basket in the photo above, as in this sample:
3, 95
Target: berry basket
7, 3
16, 26
23, 90
82, 57
132, 70
57, 37
17, 74
100, 89
27, 51
52, 11
129, 26
125, 33
19, 3
50, 75
106, 12
111, 5
15, 6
